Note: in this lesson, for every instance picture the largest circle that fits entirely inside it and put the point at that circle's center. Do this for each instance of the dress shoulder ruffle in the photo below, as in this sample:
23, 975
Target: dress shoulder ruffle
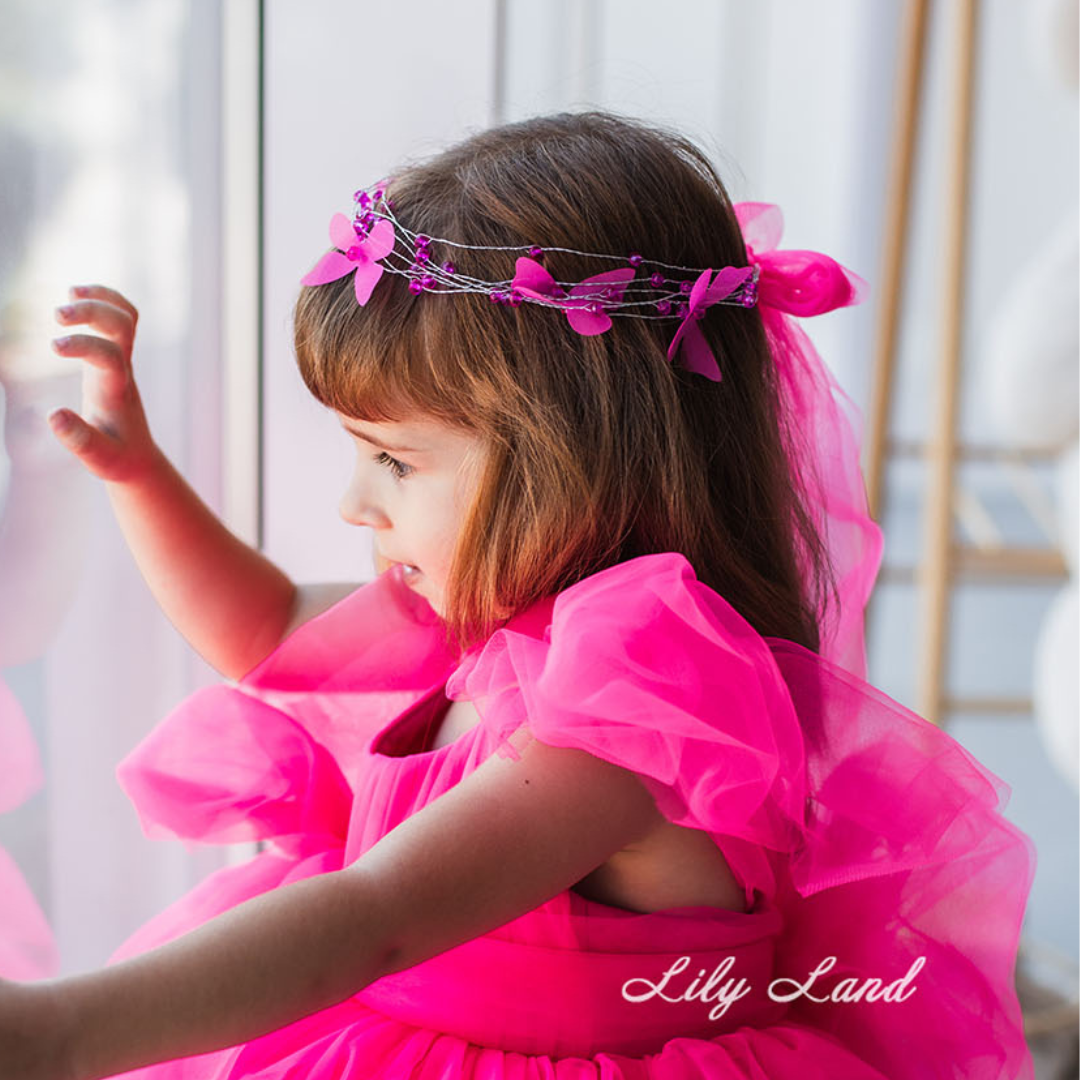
901, 865
269, 756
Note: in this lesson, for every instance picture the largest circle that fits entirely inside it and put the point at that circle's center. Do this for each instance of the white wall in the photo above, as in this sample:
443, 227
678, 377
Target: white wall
332, 127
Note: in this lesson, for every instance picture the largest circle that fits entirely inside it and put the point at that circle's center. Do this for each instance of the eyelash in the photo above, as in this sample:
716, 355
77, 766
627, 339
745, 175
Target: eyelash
398, 468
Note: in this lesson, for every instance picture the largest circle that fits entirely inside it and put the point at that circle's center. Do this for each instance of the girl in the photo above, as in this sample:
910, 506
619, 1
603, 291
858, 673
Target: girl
587, 782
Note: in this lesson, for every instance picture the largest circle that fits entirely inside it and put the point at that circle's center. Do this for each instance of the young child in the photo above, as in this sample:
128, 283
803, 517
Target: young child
588, 781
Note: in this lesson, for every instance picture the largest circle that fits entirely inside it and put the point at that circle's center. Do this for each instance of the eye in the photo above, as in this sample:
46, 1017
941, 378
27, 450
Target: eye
398, 468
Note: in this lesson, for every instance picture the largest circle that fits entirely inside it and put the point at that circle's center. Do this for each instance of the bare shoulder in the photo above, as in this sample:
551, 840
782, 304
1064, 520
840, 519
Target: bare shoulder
312, 600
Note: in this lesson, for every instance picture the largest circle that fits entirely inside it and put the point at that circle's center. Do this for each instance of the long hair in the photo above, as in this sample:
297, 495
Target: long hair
598, 449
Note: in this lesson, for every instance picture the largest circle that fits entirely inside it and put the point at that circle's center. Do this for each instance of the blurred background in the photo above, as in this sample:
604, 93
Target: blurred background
190, 153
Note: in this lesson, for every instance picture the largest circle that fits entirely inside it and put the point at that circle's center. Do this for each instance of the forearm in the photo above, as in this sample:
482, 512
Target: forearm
229, 601
265, 963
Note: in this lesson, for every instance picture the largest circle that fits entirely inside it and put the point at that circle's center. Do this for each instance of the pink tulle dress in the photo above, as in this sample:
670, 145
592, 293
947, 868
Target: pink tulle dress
27, 946
858, 830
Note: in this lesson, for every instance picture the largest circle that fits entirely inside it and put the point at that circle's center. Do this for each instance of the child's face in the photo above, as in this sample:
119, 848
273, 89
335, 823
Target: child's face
416, 498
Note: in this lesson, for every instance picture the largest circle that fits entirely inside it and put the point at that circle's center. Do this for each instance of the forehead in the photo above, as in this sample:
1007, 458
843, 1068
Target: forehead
419, 434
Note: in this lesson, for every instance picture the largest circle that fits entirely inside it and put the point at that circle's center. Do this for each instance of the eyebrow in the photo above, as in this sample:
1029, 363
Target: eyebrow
379, 443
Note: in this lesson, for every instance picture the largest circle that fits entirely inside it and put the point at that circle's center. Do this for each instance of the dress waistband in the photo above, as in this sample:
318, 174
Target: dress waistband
535, 999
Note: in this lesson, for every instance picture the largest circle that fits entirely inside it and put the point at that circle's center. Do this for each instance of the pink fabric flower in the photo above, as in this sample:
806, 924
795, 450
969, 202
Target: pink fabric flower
584, 303
697, 356
361, 253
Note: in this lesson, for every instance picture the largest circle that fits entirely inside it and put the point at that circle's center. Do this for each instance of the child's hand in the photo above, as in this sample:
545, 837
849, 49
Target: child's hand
31, 1048
111, 438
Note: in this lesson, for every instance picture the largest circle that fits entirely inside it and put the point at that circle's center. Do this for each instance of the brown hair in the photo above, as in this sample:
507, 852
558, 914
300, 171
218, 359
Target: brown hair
598, 448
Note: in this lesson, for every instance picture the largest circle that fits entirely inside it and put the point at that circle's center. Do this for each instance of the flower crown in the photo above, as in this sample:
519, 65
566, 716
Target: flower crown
374, 242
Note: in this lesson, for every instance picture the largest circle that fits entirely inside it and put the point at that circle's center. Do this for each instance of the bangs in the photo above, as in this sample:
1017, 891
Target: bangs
374, 362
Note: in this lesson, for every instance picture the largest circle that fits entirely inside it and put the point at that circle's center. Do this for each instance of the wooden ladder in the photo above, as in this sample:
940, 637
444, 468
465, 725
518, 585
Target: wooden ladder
944, 561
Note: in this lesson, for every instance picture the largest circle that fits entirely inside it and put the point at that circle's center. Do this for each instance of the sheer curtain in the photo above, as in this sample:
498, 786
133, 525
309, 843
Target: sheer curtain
108, 139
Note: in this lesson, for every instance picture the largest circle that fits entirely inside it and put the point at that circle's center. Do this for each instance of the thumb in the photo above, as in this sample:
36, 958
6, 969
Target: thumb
87, 443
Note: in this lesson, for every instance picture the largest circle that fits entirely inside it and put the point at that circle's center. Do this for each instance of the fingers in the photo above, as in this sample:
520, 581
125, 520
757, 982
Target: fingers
110, 296
111, 320
100, 352
105, 355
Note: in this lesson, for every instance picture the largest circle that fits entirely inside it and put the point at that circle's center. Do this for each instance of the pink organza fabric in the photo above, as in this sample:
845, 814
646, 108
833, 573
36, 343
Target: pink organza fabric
857, 829
27, 946
820, 425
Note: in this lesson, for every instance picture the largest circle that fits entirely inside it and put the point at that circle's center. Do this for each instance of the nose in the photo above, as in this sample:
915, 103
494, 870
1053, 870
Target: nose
358, 513
357, 507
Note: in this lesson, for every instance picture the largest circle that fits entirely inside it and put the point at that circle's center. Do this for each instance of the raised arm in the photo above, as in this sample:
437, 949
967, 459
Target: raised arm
230, 602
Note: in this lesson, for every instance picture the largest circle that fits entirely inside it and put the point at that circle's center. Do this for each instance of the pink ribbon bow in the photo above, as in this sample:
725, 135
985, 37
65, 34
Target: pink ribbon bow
583, 303
794, 281
361, 253
798, 282
697, 356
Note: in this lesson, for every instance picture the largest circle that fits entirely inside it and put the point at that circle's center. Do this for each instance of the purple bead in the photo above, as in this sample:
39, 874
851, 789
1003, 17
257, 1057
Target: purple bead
449, 268
368, 219
364, 199
515, 298
428, 281
664, 307
681, 310
415, 287
353, 252
635, 259
657, 281
422, 255
422, 240
536, 252
495, 297
685, 286
390, 204
378, 194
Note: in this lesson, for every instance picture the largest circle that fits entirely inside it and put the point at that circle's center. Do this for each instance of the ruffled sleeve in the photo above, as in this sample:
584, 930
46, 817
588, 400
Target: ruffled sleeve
225, 768
269, 757
356, 665
895, 858
645, 667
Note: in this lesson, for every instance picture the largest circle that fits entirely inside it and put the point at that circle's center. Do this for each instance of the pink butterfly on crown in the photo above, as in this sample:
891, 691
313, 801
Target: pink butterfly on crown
584, 303
362, 254
697, 356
